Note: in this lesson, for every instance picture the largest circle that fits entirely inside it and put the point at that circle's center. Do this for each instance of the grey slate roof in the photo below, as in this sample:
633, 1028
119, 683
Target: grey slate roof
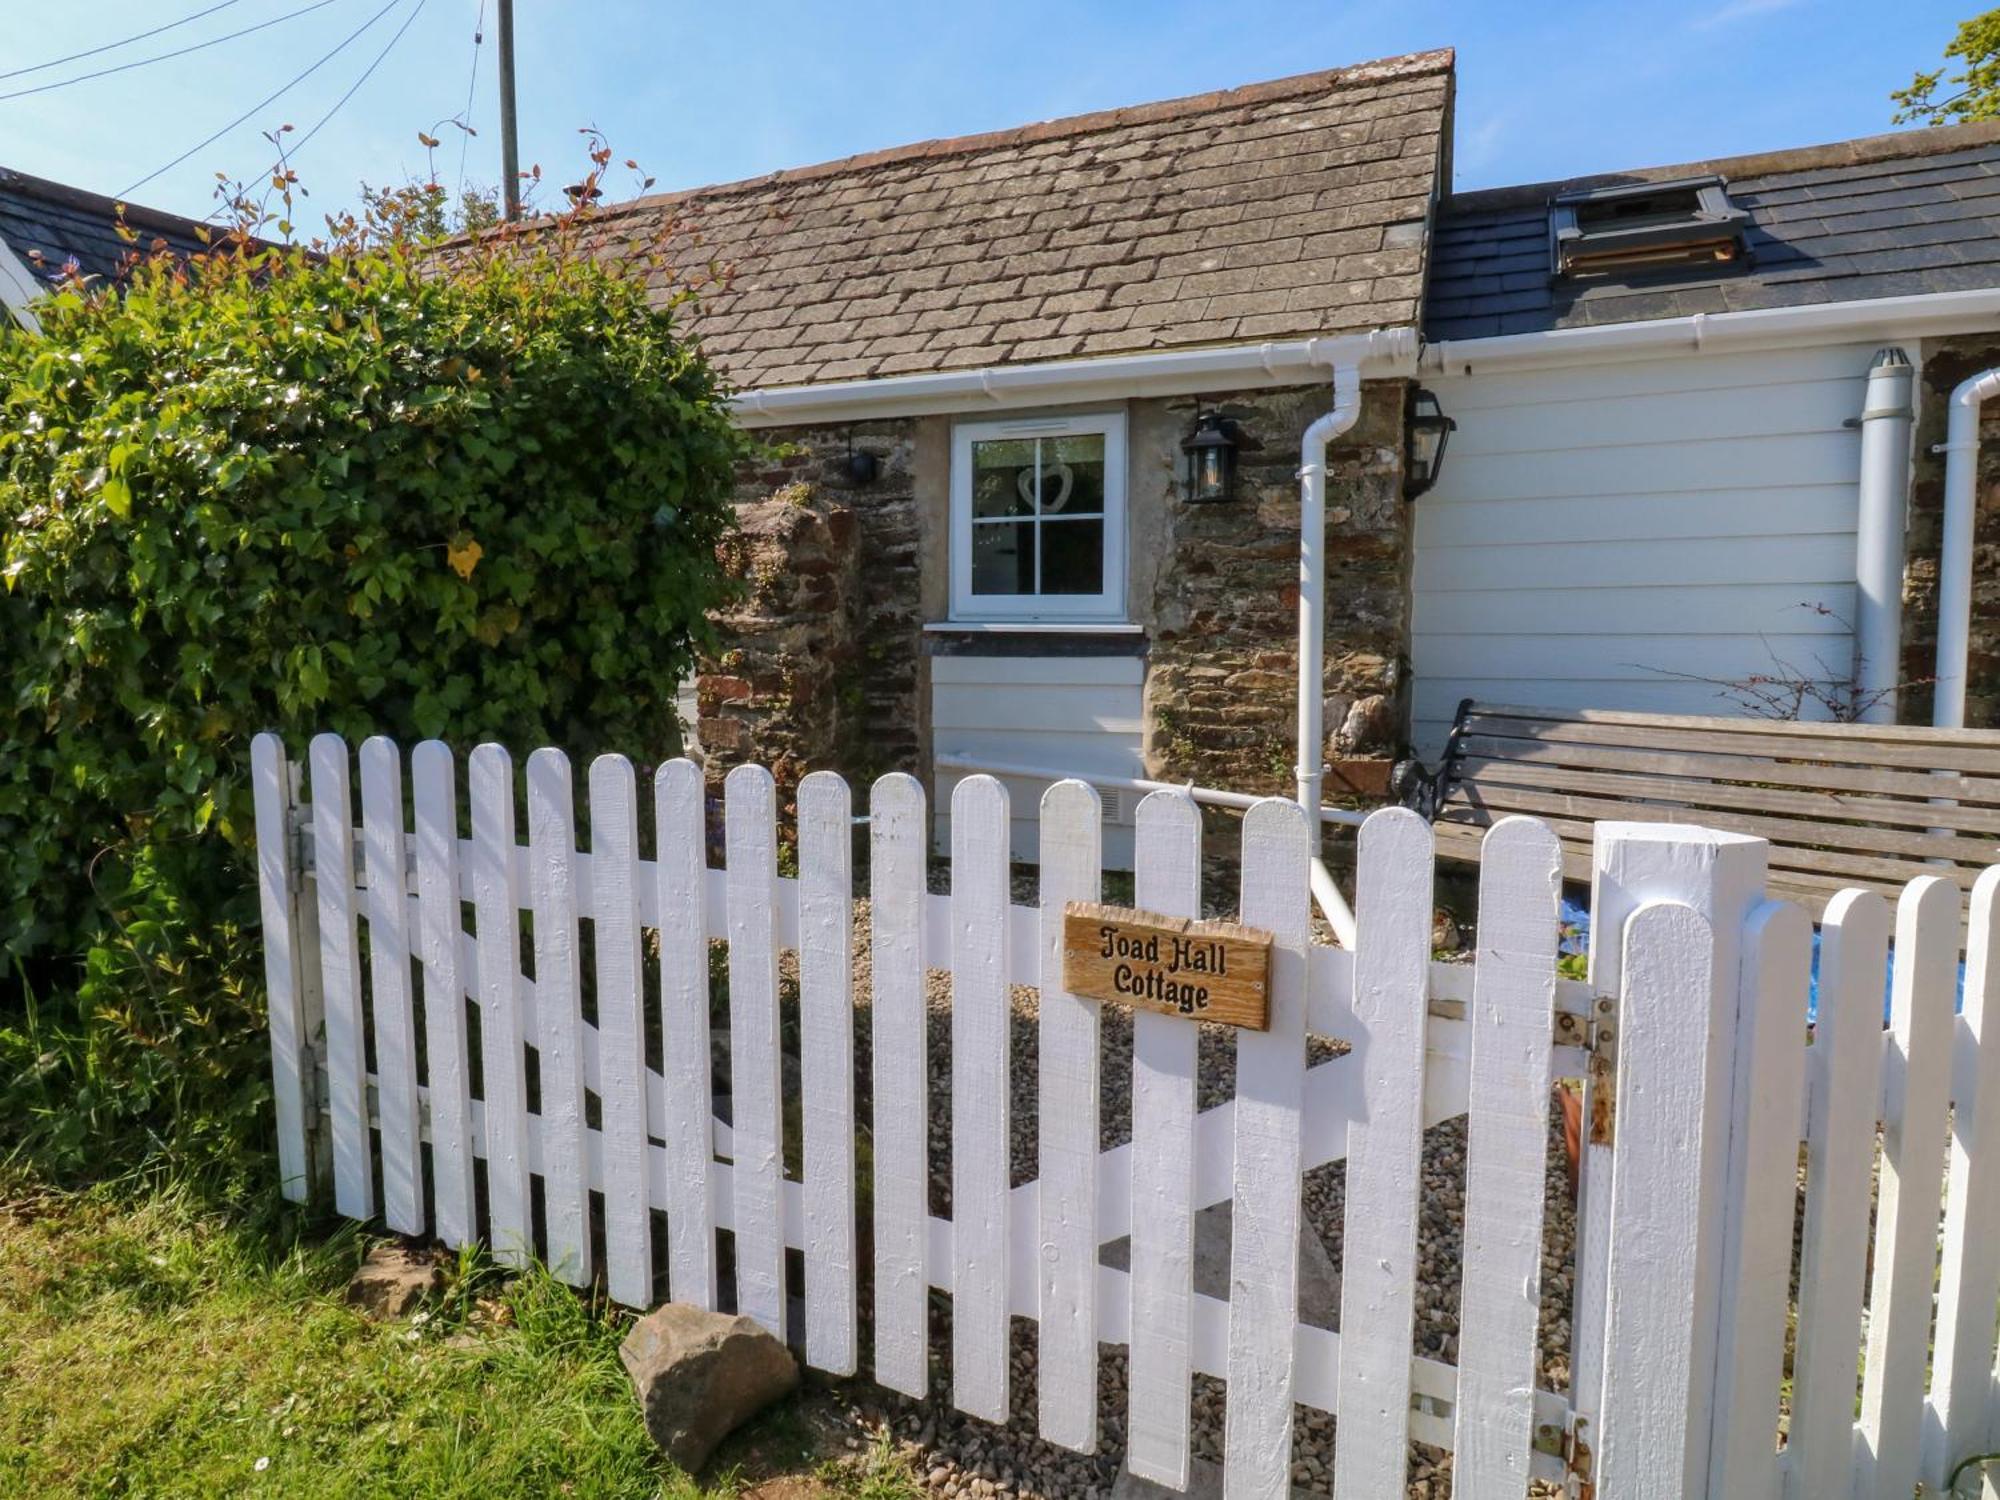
1283, 209
48, 224
1885, 216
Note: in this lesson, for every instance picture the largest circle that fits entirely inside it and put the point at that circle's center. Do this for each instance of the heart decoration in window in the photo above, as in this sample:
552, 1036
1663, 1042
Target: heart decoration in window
1065, 479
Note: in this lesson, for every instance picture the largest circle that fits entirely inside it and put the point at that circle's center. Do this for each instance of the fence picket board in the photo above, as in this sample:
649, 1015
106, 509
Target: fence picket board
1917, 1075
292, 1082
981, 1058
398, 1107
496, 905
1265, 1173
1769, 1061
440, 937
1072, 818
1969, 1281
1384, 1154
1507, 1120
1167, 862
558, 1012
1649, 1448
340, 976
899, 840
756, 1091
681, 880
621, 1029
1844, 1063
826, 1028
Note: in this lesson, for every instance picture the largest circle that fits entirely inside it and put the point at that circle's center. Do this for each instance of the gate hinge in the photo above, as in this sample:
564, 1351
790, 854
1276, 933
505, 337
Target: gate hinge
1566, 1443
302, 846
1603, 1045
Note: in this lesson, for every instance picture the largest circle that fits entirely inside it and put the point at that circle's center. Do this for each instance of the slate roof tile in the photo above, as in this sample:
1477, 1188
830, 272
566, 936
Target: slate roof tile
1895, 215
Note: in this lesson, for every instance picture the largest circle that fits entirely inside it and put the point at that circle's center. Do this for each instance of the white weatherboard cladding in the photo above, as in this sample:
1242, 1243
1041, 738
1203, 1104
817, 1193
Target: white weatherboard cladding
1597, 531
1081, 715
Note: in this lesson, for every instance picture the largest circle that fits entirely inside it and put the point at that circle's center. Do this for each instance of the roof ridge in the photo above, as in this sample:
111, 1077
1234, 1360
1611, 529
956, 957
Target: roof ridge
1893, 145
84, 200
1405, 65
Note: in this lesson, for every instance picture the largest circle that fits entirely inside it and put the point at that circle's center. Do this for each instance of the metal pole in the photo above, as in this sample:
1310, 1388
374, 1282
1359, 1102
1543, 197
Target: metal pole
510, 151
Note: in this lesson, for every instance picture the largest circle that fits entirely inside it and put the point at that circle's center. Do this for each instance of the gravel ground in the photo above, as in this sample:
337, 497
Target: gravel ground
960, 1456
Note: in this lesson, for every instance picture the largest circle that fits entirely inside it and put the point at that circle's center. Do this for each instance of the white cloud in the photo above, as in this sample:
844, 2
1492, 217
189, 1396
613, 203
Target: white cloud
1740, 10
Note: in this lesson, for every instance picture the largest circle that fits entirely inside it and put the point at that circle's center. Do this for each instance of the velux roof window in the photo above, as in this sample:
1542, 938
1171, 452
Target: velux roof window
1686, 222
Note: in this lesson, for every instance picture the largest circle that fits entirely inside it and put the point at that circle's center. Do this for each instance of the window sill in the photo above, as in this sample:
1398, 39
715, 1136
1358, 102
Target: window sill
1032, 627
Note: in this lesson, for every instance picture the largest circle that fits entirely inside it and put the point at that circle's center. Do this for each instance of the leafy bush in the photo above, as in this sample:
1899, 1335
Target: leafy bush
360, 489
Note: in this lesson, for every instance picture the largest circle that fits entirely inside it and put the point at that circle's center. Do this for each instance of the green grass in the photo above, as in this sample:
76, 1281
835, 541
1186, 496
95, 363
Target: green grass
153, 1345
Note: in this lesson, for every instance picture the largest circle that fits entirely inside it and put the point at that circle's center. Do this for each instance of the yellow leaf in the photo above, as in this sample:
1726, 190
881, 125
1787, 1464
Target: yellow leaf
463, 555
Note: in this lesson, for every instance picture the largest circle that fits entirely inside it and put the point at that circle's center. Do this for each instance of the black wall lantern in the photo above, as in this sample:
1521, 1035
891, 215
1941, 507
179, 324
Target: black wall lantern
862, 466
1426, 432
1211, 450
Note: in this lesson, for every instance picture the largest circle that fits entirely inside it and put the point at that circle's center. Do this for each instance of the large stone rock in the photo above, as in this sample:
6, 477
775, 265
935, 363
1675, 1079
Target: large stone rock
701, 1375
394, 1282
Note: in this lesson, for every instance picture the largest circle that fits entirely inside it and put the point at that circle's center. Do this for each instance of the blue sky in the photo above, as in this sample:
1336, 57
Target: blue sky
708, 93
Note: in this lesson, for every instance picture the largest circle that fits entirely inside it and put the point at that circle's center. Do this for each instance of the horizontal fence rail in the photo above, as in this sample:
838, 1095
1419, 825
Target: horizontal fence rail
450, 1079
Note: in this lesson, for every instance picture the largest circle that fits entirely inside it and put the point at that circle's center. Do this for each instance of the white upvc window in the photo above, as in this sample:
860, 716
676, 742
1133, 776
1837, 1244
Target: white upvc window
1038, 519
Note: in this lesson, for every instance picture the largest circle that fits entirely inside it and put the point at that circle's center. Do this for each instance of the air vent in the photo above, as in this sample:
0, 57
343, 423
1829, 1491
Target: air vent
1687, 222
1117, 804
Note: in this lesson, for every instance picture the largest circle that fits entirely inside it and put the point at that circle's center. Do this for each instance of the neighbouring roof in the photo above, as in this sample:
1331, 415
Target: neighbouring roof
50, 225
1280, 210
1884, 216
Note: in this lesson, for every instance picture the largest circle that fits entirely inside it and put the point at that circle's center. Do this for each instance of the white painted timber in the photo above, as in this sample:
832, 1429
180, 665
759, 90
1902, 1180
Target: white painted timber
981, 1060
1843, 1069
1164, 1061
1378, 1284
755, 1061
389, 985
558, 1035
898, 842
1507, 1121
1767, 1090
1962, 1371
1656, 1381
284, 955
1079, 714
1270, 1110
440, 940
826, 1056
340, 977
621, 1030
1916, 1095
1068, 1095
497, 898
681, 894
1595, 532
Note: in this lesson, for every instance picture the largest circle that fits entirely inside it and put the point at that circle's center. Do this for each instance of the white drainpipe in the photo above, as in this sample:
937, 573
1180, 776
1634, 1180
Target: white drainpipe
1886, 418
1961, 475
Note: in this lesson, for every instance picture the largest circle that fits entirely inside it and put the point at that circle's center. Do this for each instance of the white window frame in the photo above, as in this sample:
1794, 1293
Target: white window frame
1099, 608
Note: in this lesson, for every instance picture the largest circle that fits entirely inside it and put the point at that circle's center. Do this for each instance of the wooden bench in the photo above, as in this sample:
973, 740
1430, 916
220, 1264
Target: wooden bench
1842, 804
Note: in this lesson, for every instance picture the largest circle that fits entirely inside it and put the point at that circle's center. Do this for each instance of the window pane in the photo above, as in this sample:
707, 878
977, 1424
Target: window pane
1003, 558
1072, 557
1073, 475
1003, 477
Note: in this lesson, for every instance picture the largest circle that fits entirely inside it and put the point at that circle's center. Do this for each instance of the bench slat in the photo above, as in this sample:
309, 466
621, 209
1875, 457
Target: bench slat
1919, 754
1894, 734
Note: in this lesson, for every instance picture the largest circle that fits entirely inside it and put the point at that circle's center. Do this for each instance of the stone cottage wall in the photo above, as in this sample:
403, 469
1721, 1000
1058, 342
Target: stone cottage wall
1946, 362
1222, 699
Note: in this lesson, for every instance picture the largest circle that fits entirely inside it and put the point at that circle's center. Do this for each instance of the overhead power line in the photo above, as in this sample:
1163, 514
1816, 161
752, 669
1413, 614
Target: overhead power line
366, 74
137, 36
157, 57
269, 99
471, 87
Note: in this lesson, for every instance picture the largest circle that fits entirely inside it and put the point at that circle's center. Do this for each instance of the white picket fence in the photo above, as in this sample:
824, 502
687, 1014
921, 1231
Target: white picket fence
1691, 1033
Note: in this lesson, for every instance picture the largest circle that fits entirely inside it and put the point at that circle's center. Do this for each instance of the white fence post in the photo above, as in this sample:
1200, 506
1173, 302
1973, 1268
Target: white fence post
289, 905
1721, 877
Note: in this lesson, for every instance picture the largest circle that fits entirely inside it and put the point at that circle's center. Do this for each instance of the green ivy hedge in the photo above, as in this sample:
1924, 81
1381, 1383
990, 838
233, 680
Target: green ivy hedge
362, 490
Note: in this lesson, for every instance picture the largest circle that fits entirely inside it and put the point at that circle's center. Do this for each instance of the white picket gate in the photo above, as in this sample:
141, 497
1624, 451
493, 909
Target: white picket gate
1691, 1033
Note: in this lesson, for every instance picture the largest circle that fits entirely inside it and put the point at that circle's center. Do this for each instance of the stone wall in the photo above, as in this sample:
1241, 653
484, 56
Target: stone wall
858, 677
1222, 693
1945, 363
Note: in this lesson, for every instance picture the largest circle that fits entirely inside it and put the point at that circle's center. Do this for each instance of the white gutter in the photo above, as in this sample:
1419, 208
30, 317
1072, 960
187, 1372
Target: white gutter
1762, 328
1954, 606
1180, 372
1887, 415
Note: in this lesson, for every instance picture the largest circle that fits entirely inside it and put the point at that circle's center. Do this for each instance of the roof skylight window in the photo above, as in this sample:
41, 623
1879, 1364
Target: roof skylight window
1686, 222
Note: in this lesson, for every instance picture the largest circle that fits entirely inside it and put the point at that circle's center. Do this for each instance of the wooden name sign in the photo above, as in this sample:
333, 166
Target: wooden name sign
1206, 971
